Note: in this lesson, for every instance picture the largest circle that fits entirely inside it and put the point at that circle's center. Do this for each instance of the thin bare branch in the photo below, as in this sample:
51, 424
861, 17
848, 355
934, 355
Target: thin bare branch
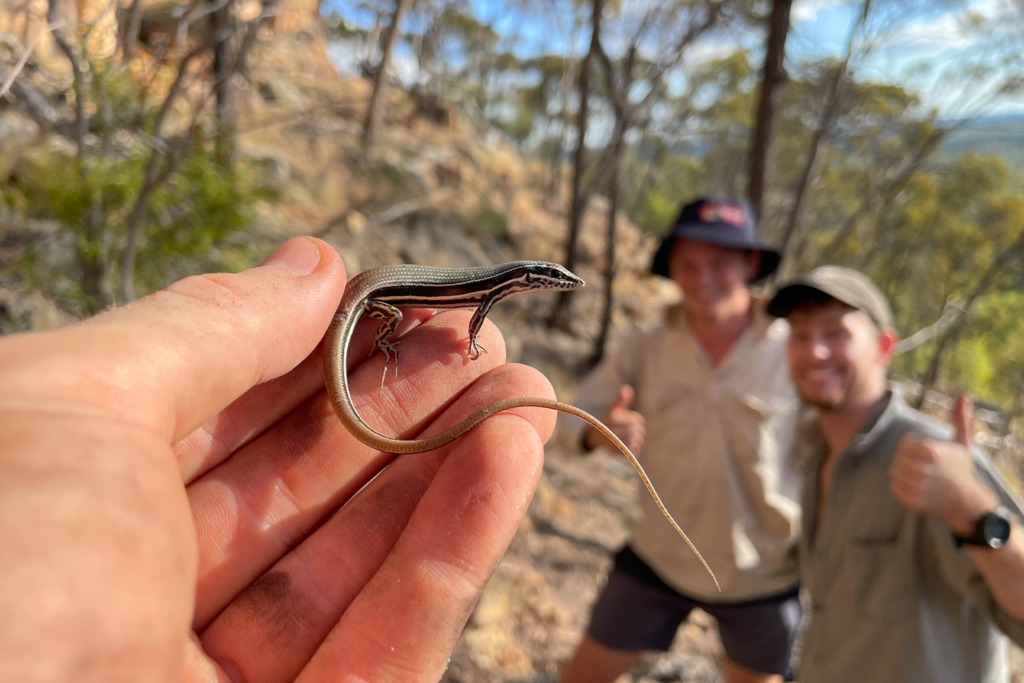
23, 59
36, 105
1014, 252
78, 74
829, 116
951, 312
393, 213
176, 86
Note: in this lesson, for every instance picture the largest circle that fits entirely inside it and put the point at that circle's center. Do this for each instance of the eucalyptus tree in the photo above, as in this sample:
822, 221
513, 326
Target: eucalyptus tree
142, 176
771, 75
372, 119
645, 42
652, 40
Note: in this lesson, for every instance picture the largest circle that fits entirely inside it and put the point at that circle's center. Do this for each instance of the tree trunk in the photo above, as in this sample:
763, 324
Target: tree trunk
565, 89
931, 375
618, 93
618, 136
222, 26
90, 251
778, 30
93, 270
152, 178
130, 31
578, 206
380, 78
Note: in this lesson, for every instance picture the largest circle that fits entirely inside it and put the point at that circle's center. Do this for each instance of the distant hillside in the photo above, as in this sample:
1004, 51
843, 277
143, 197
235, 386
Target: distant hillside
1001, 136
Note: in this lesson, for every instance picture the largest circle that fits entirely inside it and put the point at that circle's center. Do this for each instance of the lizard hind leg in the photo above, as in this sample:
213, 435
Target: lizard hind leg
390, 316
389, 350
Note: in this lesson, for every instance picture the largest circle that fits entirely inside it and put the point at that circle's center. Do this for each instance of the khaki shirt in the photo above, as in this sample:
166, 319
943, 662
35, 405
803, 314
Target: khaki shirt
893, 600
717, 451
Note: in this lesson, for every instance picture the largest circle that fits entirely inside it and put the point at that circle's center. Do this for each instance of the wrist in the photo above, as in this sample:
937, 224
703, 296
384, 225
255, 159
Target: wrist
972, 507
991, 532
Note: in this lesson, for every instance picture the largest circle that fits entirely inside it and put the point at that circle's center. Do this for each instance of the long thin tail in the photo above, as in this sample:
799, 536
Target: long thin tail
368, 436
525, 401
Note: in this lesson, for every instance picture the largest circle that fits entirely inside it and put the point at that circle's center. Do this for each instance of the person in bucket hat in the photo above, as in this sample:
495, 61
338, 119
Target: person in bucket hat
912, 551
720, 222
705, 402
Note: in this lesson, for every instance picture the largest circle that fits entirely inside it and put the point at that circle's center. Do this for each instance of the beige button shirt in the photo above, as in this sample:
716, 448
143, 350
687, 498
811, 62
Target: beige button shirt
893, 600
717, 451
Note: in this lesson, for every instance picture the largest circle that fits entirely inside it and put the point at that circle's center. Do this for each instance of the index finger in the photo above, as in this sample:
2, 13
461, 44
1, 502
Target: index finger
172, 360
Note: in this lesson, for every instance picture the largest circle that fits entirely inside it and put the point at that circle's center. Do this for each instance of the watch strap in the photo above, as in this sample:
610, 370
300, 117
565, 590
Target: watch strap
977, 536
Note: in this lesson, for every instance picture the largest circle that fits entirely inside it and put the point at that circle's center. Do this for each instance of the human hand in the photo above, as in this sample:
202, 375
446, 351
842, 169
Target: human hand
937, 478
626, 424
171, 474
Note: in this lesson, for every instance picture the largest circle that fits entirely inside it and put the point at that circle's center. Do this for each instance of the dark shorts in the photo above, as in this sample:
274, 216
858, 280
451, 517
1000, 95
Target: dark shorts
639, 611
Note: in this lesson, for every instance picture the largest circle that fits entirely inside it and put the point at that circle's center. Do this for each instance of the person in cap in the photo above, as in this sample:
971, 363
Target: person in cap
705, 402
911, 551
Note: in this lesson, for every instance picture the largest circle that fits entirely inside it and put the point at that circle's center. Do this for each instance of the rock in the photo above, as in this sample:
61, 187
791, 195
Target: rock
17, 133
29, 311
355, 222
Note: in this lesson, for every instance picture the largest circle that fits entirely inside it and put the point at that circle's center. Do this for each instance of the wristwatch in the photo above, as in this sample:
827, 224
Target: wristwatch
992, 530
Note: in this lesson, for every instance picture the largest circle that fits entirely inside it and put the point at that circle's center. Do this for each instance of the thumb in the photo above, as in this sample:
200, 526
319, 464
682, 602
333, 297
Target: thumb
625, 399
963, 420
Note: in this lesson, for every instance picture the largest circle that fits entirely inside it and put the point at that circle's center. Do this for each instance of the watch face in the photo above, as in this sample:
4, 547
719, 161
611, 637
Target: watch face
996, 530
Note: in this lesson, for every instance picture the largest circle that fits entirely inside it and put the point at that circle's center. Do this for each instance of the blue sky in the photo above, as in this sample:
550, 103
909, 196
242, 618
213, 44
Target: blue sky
907, 34
926, 47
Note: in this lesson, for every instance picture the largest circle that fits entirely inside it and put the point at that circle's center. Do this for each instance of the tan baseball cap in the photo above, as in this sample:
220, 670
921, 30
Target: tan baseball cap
843, 284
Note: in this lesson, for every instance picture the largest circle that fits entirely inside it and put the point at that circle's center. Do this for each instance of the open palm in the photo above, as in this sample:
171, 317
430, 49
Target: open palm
178, 498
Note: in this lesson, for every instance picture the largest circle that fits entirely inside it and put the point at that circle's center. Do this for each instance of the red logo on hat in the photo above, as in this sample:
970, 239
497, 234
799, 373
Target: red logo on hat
732, 214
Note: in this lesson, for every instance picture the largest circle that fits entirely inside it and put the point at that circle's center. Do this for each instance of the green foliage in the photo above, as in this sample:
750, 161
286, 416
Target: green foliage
195, 221
188, 228
491, 223
662, 189
659, 210
193, 207
989, 360
939, 241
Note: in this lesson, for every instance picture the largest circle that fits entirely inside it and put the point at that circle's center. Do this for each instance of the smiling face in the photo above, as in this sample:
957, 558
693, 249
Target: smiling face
713, 279
837, 356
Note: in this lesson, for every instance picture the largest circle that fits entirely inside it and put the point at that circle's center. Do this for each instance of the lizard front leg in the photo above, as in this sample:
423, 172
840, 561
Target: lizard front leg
475, 323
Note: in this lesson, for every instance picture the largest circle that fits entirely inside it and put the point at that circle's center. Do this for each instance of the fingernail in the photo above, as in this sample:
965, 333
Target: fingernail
299, 256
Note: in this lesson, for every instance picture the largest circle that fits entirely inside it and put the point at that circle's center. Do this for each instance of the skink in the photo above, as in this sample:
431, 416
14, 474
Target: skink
382, 292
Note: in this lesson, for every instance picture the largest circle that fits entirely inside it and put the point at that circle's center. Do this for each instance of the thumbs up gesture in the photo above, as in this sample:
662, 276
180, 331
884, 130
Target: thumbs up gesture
627, 424
937, 478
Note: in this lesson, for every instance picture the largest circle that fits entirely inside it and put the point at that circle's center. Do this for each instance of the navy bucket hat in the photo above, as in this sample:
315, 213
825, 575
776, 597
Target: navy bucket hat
722, 222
